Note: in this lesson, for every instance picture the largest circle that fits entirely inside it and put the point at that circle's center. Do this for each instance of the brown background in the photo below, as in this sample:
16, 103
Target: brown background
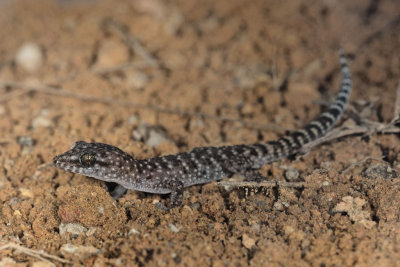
273, 63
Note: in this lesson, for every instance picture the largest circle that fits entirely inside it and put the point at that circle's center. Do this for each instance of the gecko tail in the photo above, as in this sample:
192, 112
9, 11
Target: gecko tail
293, 142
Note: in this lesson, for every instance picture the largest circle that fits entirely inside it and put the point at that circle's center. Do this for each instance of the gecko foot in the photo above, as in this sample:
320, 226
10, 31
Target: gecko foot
176, 193
254, 176
115, 190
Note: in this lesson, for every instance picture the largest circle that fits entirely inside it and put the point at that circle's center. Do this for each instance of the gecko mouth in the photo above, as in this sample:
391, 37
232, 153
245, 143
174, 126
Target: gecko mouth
56, 161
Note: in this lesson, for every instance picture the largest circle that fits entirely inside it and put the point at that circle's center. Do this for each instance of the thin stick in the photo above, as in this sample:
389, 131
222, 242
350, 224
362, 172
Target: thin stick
39, 254
396, 115
110, 101
5, 141
132, 42
12, 94
346, 131
119, 67
260, 184
358, 163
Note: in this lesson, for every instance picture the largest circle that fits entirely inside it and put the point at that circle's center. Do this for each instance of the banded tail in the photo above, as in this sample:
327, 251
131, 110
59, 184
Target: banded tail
292, 143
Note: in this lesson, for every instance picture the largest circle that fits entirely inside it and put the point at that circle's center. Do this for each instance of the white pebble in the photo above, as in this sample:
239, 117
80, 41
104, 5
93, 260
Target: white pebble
29, 57
325, 183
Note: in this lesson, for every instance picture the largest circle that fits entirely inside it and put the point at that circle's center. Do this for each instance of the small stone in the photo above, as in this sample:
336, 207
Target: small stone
291, 174
380, 171
73, 228
248, 242
133, 120
247, 77
156, 138
79, 250
91, 231
354, 209
288, 230
29, 57
17, 213
133, 231
174, 228
25, 141
26, 192
137, 79
111, 53
41, 121
278, 206
150, 135
140, 133
118, 262
325, 183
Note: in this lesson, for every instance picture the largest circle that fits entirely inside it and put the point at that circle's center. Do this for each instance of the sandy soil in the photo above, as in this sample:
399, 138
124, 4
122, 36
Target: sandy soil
137, 74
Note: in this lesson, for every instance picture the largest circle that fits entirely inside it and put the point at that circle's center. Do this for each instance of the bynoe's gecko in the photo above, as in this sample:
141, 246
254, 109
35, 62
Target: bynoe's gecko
172, 173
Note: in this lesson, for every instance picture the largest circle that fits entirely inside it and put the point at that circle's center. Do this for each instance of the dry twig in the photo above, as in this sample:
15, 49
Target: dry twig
118, 67
39, 254
132, 42
26, 88
260, 184
396, 115
358, 163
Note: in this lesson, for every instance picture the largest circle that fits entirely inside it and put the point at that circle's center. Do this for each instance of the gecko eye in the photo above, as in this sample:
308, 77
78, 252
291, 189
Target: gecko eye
87, 160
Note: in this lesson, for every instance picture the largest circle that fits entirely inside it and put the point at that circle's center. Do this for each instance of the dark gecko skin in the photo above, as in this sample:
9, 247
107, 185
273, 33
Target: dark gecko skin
172, 173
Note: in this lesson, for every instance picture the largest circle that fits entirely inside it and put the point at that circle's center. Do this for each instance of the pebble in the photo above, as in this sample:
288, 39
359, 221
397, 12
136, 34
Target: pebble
247, 241
156, 138
278, 206
26, 143
73, 228
91, 231
137, 79
291, 174
133, 231
29, 57
111, 53
174, 228
133, 120
247, 77
150, 135
41, 121
380, 171
25, 140
82, 250
325, 183
26, 192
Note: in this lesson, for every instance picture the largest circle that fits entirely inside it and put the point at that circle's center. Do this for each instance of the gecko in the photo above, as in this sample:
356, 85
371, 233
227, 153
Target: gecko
170, 174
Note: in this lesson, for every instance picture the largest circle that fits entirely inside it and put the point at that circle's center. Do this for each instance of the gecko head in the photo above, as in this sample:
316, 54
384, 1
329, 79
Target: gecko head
97, 160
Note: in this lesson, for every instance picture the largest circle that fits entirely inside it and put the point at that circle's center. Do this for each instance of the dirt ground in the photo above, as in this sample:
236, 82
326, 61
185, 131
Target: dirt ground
159, 77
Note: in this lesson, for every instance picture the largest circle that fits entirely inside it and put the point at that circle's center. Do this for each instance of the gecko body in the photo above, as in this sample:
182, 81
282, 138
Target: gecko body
172, 173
